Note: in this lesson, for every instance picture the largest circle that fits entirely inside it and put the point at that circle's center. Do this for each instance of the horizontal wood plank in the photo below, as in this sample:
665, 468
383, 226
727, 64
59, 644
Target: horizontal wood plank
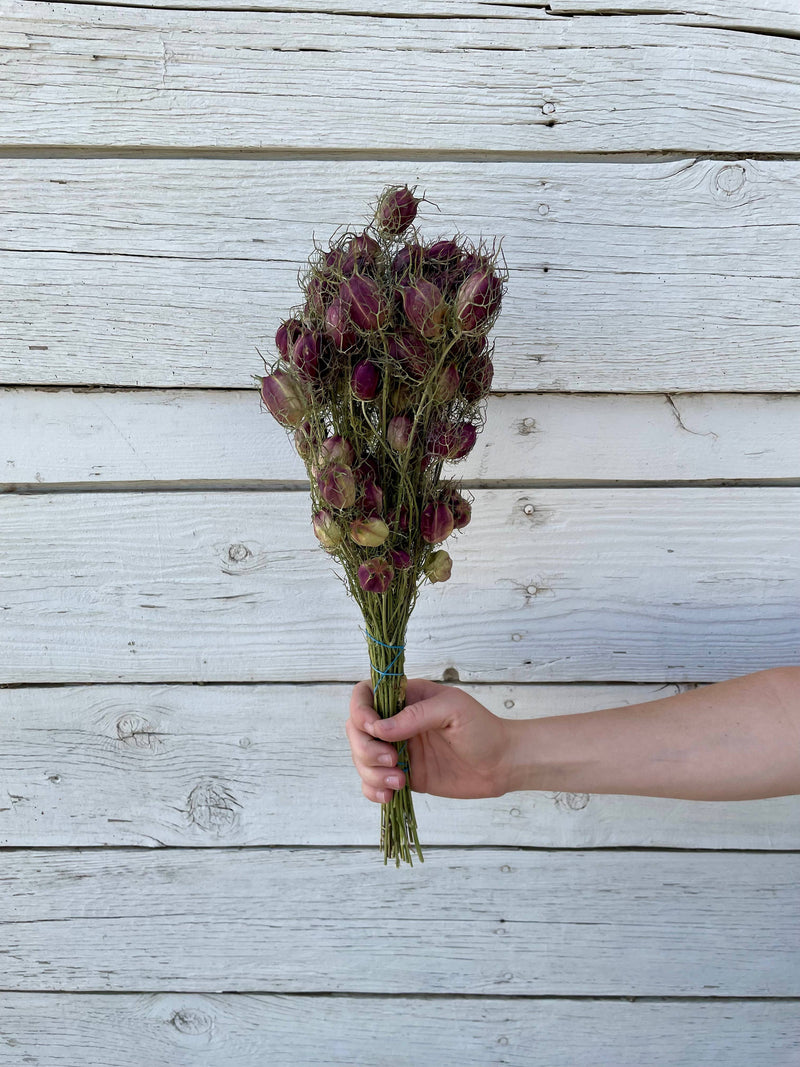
482, 921
762, 15
246, 765
153, 77
666, 584
622, 276
191, 437
217, 1030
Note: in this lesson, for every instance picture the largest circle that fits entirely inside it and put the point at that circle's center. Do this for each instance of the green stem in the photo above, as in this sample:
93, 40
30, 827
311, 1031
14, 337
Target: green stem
398, 821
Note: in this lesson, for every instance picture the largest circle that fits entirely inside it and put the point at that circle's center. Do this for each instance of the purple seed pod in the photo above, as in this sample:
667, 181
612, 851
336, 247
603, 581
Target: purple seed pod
333, 258
306, 353
477, 298
361, 254
397, 209
364, 303
284, 397
369, 531
401, 560
436, 522
439, 440
365, 380
461, 509
372, 498
336, 449
477, 378
375, 576
303, 440
438, 566
315, 288
424, 306
408, 260
398, 432
443, 252
446, 385
286, 335
327, 530
338, 327
464, 437
400, 518
366, 471
411, 352
446, 441
337, 486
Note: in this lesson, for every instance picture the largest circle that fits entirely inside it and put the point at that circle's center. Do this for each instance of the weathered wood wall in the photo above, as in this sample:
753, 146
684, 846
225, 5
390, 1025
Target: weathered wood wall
190, 875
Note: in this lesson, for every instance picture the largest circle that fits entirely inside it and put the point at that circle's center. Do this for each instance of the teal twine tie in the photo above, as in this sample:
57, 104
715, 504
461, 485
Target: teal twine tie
389, 673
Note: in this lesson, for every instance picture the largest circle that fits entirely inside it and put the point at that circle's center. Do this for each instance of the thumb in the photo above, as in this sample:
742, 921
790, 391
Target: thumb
414, 719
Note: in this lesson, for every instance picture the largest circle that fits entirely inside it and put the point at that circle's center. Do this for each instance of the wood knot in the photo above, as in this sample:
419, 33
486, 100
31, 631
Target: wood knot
730, 179
137, 732
211, 806
238, 552
526, 427
571, 801
450, 675
192, 1021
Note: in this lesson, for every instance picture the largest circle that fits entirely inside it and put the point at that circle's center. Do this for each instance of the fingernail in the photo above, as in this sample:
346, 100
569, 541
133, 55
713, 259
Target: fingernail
386, 759
393, 781
383, 795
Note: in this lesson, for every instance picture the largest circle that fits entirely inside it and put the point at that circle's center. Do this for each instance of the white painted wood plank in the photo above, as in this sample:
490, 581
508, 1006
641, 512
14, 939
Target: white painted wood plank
623, 277
75, 320
762, 15
671, 584
479, 921
246, 765
689, 215
192, 437
217, 1030
534, 9
134, 76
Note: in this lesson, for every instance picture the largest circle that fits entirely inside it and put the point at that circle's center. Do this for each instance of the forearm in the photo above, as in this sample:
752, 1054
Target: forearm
733, 740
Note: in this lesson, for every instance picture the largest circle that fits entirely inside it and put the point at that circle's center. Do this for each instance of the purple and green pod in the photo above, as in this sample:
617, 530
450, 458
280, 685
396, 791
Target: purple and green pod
375, 576
337, 486
397, 209
284, 397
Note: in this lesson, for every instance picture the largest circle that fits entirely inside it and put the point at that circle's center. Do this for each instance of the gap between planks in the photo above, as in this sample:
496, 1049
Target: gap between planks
430, 850
199, 485
477, 997
377, 155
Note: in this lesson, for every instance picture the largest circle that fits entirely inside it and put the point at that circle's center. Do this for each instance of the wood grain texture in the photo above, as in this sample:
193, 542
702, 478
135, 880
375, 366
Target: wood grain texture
622, 276
761, 16
191, 437
487, 921
246, 765
152, 77
548, 585
256, 1030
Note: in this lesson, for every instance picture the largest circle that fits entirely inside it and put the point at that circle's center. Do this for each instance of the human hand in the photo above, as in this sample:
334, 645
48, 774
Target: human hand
456, 747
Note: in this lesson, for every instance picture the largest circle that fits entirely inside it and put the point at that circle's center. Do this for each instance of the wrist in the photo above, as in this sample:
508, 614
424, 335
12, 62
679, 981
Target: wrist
526, 764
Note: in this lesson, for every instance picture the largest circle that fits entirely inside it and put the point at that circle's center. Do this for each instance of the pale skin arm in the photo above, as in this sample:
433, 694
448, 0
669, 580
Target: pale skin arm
733, 740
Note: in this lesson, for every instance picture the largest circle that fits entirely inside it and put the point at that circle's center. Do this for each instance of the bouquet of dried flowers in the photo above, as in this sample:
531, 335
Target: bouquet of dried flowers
381, 379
